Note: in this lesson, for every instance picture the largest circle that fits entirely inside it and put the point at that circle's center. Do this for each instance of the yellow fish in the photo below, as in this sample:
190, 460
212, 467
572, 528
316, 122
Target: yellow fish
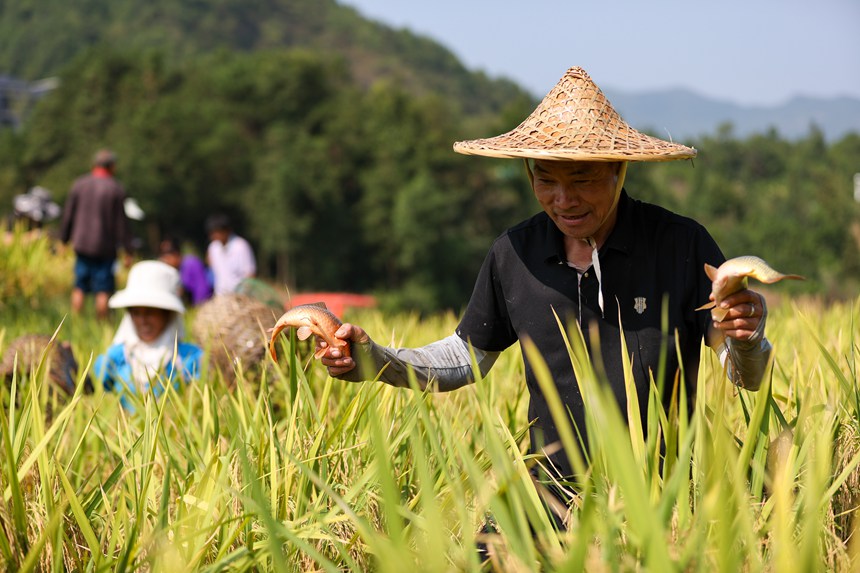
310, 319
732, 276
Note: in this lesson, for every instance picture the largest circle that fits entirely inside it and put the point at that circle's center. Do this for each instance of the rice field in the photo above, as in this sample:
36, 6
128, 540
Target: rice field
282, 468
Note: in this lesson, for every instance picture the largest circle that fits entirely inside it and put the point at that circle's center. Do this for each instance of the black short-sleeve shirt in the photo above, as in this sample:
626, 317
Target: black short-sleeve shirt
651, 256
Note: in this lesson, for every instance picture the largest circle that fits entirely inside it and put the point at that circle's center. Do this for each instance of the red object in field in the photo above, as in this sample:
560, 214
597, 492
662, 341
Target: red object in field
336, 302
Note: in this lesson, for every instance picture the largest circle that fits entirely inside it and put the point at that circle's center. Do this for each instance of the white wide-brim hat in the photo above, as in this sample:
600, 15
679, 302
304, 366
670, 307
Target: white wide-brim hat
575, 122
153, 284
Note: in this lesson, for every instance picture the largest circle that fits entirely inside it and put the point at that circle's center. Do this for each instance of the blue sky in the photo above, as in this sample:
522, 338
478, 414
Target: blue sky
743, 51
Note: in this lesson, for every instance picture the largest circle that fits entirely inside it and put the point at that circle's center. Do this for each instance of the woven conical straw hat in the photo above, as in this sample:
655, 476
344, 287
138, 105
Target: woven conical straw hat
575, 122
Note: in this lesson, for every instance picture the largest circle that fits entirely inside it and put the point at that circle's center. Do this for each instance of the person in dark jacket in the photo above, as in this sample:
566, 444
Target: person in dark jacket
95, 223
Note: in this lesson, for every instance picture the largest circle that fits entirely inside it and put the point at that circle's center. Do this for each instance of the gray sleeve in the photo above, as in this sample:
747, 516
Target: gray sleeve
445, 364
746, 360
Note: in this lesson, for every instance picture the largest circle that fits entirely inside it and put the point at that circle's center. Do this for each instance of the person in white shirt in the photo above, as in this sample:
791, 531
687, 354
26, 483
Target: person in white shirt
230, 257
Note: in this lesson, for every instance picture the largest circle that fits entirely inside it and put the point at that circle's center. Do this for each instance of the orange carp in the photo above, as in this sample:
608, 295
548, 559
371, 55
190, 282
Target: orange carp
732, 276
310, 319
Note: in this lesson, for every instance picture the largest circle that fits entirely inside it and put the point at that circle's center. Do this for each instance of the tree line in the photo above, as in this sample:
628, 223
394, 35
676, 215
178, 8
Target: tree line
340, 186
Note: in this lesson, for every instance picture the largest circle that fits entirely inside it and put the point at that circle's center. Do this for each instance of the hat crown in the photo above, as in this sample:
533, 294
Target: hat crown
576, 101
152, 284
575, 121
153, 276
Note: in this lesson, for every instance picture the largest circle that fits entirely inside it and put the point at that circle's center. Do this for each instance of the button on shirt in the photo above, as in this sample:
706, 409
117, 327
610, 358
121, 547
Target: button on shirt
652, 258
230, 263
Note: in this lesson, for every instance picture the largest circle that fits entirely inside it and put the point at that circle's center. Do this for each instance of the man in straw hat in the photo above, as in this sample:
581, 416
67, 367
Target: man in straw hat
594, 257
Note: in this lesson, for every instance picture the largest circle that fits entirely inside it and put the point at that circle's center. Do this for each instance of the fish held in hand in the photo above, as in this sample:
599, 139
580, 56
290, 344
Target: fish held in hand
310, 319
733, 275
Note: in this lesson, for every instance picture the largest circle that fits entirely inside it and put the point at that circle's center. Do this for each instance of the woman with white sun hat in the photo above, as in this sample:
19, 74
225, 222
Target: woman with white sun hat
147, 351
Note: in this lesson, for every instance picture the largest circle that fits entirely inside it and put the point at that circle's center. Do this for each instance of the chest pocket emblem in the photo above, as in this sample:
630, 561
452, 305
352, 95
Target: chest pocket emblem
639, 304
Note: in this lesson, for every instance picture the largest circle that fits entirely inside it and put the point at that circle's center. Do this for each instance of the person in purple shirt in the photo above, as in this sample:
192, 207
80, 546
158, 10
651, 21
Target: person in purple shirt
196, 284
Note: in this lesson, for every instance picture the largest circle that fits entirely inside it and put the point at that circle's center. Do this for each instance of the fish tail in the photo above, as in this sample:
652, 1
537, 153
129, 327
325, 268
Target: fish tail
794, 277
275, 332
770, 276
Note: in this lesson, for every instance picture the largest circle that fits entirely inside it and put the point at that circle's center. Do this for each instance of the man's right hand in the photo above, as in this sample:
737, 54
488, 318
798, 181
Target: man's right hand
337, 363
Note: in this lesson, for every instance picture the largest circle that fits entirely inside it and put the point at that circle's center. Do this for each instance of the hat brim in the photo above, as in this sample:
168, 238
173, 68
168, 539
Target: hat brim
477, 147
129, 298
575, 122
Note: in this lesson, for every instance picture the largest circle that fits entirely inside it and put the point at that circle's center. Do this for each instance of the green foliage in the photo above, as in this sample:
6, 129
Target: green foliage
344, 181
338, 188
789, 202
39, 38
24, 258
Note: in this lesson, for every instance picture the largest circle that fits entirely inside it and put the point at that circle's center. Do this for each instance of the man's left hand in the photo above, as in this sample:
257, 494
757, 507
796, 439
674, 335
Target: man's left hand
745, 311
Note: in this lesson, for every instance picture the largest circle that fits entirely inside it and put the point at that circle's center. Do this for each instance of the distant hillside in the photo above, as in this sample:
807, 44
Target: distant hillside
682, 114
39, 37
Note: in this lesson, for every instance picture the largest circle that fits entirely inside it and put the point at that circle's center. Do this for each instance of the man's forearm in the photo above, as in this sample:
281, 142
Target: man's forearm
746, 364
445, 363
746, 360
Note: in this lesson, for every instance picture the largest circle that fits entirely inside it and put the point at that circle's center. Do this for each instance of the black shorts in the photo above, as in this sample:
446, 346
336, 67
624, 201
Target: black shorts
94, 275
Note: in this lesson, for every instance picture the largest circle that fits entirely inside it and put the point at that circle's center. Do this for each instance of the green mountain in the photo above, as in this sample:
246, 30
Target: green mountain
683, 114
39, 37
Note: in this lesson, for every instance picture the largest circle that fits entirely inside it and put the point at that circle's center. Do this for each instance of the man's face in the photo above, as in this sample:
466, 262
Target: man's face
149, 322
220, 235
577, 195
172, 259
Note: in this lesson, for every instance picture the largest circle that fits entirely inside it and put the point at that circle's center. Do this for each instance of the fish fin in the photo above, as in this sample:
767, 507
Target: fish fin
711, 304
304, 332
319, 353
718, 314
319, 304
711, 271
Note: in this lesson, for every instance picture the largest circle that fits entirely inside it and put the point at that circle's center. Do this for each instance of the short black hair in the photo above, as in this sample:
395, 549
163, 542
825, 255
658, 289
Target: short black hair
218, 222
169, 245
104, 158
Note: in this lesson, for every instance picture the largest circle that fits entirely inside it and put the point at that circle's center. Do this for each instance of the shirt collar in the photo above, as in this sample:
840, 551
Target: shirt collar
619, 238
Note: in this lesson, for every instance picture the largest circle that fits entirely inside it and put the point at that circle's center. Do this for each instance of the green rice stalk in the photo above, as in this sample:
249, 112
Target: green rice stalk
79, 514
19, 514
